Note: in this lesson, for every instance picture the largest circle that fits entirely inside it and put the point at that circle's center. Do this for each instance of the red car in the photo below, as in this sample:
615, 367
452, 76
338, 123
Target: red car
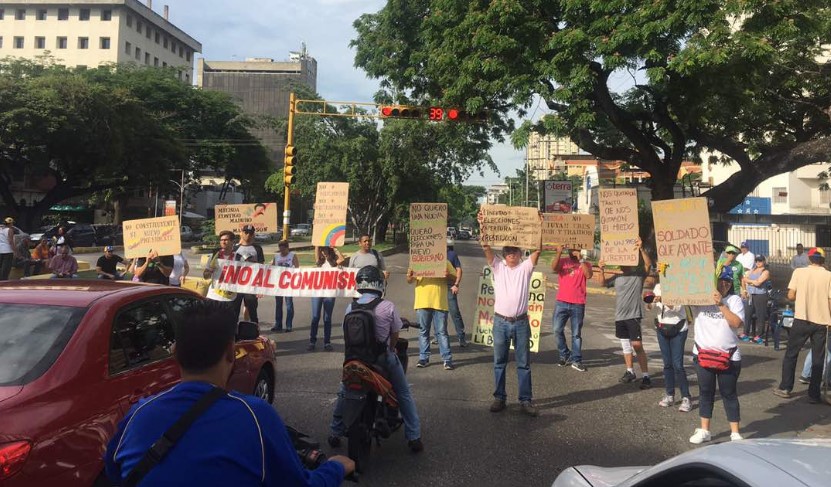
75, 355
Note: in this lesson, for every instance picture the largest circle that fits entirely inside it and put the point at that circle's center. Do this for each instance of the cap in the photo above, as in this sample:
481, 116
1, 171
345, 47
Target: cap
760, 258
9, 220
248, 229
816, 252
731, 249
726, 274
744, 245
108, 248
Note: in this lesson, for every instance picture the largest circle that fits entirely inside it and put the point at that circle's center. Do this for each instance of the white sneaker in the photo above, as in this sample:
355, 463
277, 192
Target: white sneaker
700, 436
685, 406
736, 437
666, 402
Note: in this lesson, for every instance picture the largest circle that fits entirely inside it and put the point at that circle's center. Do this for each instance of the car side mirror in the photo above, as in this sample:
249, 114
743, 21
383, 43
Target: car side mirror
247, 330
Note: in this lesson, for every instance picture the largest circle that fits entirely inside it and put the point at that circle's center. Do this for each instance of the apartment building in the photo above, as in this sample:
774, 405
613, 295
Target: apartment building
92, 32
261, 87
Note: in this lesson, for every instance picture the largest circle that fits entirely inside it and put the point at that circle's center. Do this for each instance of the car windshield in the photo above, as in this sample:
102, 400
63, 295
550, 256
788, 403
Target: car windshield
31, 338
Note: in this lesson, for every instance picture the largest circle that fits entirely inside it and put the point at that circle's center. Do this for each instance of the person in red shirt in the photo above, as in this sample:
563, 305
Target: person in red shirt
573, 273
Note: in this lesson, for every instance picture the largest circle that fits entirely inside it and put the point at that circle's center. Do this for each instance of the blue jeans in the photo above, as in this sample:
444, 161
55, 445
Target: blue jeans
328, 304
806, 369
438, 318
456, 315
278, 312
726, 381
575, 312
406, 403
672, 351
520, 332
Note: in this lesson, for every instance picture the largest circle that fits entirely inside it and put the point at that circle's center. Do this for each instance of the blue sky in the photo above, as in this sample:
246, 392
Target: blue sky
271, 28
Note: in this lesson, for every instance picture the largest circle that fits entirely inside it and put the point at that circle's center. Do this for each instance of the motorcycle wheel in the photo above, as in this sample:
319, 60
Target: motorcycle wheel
360, 441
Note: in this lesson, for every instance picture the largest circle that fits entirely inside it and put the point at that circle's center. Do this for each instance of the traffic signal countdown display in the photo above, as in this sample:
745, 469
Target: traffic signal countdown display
288, 165
435, 114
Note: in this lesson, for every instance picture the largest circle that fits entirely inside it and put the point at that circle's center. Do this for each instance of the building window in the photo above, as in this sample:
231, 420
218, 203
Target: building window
187, 77
63, 14
780, 195
173, 46
164, 43
18, 43
128, 48
41, 14
1, 42
138, 53
164, 65
181, 51
139, 26
61, 43
40, 43
146, 58
83, 43
149, 32
2, 13
105, 43
156, 62
20, 14
825, 196
106, 14
188, 54
129, 21
158, 37
83, 14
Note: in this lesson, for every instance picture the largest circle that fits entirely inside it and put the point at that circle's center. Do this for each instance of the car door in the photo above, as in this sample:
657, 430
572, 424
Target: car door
241, 376
140, 361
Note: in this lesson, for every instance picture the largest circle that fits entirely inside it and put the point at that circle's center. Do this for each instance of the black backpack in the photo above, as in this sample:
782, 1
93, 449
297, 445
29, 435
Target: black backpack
359, 333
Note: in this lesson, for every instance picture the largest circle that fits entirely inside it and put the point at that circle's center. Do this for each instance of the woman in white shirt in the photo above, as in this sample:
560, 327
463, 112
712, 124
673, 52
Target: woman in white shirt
180, 270
672, 328
715, 327
284, 258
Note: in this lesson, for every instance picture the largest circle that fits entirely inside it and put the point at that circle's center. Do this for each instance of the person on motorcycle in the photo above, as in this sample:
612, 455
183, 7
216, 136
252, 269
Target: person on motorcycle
198, 433
369, 282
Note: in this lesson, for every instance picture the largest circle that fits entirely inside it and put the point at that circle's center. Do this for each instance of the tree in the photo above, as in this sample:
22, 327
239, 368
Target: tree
462, 203
744, 78
114, 128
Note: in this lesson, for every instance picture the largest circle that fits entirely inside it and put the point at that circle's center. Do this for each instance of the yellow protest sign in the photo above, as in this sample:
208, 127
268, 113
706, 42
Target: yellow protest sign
571, 231
233, 217
329, 226
619, 226
685, 250
483, 329
148, 234
428, 246
514, 226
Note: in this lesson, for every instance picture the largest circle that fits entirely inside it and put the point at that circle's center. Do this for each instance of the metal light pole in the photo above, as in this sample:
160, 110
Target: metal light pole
181, 196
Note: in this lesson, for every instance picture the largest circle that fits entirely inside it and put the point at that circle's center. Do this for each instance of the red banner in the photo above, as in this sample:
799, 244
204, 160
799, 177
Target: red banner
312, 282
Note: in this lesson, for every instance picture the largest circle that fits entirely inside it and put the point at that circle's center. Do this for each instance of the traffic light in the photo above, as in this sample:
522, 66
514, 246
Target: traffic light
401, 111
459, 115
288, 165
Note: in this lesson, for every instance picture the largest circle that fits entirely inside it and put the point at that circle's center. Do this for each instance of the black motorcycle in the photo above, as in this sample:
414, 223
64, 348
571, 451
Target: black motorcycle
370, 406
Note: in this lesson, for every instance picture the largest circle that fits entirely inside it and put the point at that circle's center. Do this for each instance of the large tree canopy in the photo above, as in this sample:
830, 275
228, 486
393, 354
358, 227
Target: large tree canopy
113, 128
648, 82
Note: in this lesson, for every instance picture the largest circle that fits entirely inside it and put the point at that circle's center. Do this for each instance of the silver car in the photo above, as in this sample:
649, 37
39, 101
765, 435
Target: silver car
301, 230
745, 463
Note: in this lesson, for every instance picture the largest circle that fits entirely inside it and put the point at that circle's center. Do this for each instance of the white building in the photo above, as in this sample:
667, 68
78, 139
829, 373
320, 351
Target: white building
494, 191
546, 155
87, 33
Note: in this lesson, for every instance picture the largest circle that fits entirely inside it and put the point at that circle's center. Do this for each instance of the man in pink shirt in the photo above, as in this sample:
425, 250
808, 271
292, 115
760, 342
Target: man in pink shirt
573, 274
511, 278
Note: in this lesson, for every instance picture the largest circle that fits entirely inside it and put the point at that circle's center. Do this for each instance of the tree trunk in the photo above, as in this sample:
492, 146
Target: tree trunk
381, 229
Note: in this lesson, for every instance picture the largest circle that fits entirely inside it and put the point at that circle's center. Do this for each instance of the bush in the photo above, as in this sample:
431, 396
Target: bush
209, 232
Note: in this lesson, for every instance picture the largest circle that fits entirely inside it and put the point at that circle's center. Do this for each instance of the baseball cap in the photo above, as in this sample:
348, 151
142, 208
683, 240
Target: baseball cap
9, 220
744, 245
108, 248
816, 252
760, 258
248, 229
726, 274
731, 249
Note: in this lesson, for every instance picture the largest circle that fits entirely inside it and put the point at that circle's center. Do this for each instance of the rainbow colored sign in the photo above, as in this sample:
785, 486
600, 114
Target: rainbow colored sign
329, 227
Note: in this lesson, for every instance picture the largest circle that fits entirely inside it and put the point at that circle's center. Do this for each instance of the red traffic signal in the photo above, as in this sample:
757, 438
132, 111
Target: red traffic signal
457, 115
434, 114
400, 111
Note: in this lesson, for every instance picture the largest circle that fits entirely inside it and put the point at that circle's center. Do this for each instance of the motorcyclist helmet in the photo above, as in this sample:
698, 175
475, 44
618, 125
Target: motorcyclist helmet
369, 279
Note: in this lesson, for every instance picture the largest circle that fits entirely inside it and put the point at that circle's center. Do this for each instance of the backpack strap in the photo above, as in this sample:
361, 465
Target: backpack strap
163, 445
377, 257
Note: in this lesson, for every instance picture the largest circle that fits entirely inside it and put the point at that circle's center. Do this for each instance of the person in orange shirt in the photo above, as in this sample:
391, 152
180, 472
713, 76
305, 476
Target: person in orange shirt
40, 256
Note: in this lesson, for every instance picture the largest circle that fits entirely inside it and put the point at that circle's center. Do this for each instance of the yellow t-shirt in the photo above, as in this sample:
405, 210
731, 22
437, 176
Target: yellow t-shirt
813, 290
431, 292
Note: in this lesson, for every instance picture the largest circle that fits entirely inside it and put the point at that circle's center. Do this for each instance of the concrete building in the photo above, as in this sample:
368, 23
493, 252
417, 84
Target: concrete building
87, 33
546, 155
492, 196
261, 86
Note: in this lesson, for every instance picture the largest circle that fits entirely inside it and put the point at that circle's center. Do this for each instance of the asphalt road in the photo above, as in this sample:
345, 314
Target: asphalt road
585, 418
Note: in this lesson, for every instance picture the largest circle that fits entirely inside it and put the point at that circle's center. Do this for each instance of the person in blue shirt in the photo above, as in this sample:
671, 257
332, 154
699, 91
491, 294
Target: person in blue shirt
452, 291
240, 440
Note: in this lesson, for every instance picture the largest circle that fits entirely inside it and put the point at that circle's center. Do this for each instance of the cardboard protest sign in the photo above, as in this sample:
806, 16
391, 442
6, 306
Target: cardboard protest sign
685, 250
315, 282
233, 217
619, 226
428, 246
169, 207
571, 231
329, 226
483, 330
515, 226
559, 196
159, 234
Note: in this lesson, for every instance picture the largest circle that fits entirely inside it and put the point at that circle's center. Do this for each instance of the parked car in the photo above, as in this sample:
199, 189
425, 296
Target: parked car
747, 463
73, 359
267, 237
19, 235
80, 234
186, 234
463, 235
108, 234
301, 230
